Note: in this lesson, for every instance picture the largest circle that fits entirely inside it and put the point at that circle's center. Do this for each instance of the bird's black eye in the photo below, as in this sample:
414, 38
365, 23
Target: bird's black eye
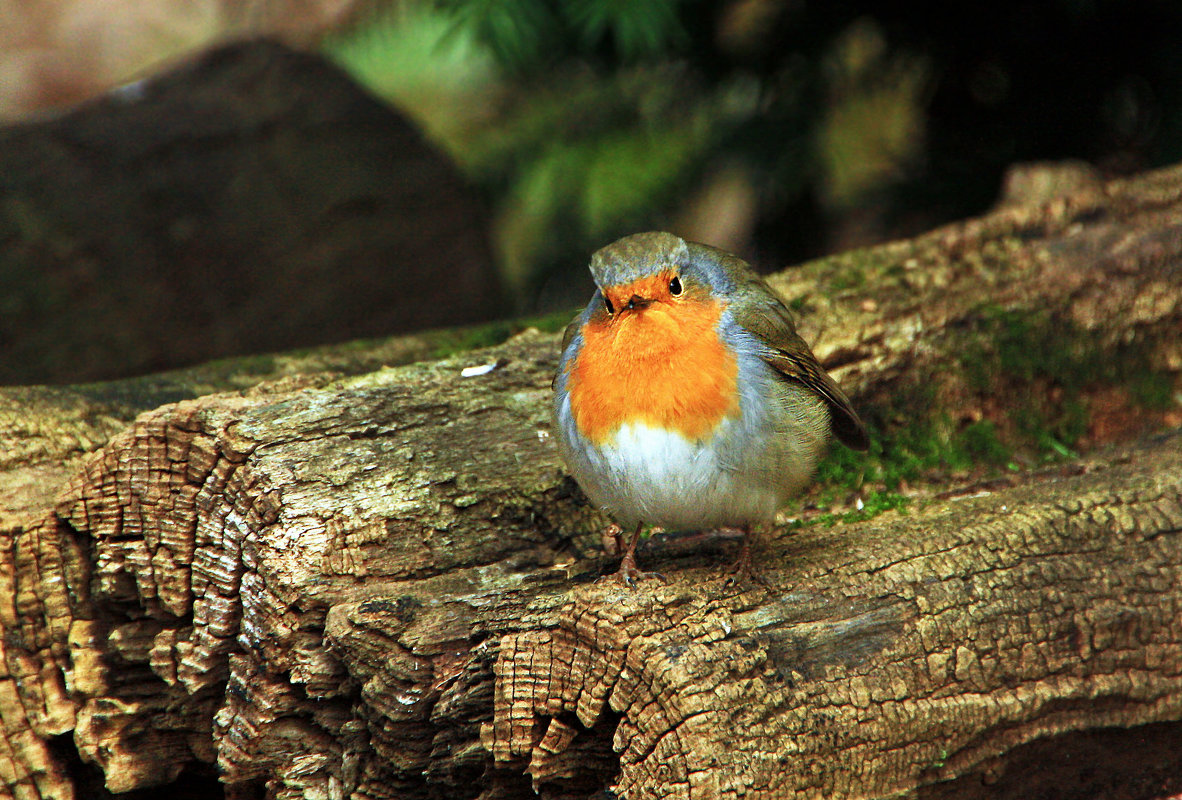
675, 286
607, 303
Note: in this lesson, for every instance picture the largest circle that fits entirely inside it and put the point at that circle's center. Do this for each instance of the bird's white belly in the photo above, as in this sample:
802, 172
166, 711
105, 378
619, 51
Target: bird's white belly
656, 476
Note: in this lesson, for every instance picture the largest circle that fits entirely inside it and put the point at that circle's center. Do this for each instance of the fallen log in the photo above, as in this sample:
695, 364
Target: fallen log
381, 583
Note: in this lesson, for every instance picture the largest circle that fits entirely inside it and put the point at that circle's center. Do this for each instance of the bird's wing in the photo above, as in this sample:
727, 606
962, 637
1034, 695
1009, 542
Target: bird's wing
766, 318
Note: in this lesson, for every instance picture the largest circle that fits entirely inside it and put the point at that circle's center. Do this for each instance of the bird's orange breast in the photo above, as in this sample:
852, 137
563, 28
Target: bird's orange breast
663, 365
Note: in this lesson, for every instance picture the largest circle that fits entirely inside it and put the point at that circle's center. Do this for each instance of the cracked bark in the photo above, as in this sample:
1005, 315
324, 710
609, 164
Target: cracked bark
380, 583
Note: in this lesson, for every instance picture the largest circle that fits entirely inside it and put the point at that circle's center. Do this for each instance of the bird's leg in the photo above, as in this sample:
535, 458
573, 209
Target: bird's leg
628, 573
742, 570
741, 567
613, 541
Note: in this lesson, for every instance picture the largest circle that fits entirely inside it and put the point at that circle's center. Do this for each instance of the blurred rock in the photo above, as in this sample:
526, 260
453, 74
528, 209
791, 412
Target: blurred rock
253, 200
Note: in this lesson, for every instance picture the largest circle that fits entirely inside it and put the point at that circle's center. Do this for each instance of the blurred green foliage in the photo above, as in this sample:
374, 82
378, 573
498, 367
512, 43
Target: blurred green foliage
587, 119
782, 129
526, 34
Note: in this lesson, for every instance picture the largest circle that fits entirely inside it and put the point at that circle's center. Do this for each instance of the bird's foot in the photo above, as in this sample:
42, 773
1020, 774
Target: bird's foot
742, 571
629, 575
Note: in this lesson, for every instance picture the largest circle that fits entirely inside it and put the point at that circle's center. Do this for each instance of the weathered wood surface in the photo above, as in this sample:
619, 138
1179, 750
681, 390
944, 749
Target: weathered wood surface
382, 585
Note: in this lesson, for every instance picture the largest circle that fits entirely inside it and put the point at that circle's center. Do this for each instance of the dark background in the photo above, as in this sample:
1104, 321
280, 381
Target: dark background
426, 164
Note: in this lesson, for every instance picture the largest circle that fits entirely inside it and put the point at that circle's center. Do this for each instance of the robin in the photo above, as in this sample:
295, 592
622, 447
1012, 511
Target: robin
685, 398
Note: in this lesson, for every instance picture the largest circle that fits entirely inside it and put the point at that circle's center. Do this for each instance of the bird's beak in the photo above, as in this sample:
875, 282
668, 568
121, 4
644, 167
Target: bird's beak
637, 302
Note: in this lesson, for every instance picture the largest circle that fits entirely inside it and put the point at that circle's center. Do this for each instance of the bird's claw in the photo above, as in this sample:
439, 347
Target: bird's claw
631, 577
628, 574
743, 571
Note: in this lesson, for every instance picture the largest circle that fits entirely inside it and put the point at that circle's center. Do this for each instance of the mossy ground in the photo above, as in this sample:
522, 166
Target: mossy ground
458, 340
1026, 389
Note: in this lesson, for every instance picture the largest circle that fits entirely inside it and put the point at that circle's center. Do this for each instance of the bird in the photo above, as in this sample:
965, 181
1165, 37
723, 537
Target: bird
684, 397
